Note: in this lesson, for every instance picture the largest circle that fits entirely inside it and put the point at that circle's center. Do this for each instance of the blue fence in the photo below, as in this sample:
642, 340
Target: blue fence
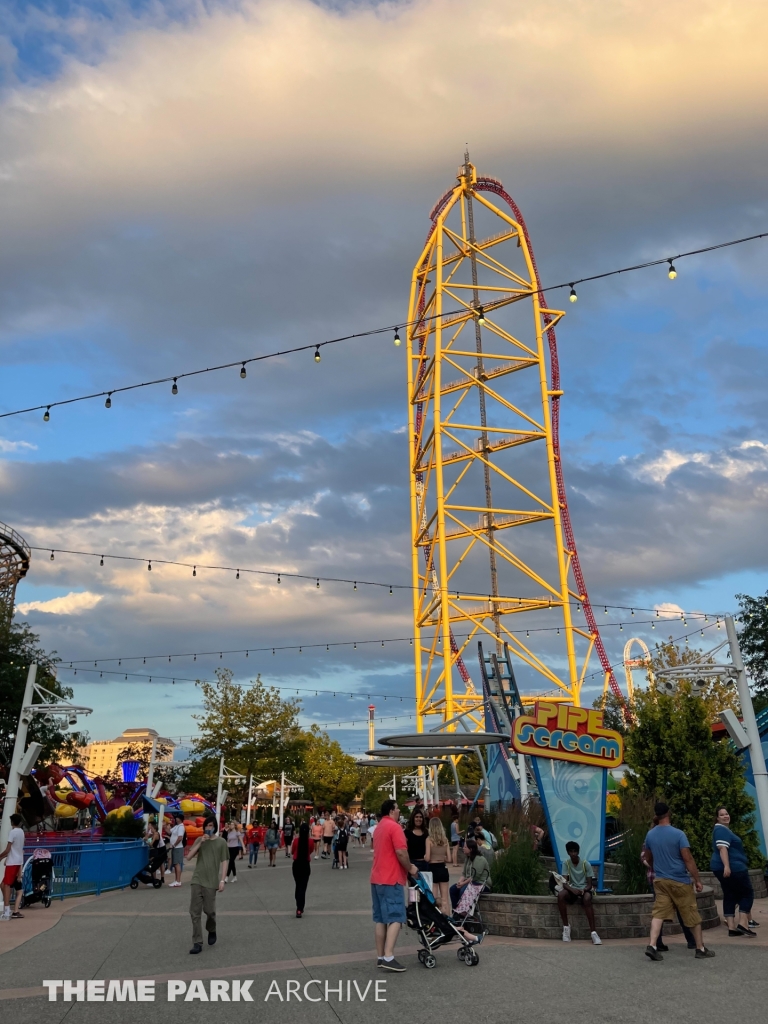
92, 867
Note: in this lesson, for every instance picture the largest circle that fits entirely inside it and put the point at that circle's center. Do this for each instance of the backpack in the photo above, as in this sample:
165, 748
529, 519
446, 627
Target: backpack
184, 839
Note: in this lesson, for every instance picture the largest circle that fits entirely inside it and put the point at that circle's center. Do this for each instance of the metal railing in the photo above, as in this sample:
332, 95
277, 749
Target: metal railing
81, 868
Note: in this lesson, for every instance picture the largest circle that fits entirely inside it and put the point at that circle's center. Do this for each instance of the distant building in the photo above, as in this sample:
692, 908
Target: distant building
100, 757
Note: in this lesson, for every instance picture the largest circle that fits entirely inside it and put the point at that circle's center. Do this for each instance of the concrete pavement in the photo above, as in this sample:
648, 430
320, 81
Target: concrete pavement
146, 934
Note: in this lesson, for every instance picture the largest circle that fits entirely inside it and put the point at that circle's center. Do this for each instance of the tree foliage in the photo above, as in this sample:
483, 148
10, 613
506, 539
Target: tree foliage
753, 641
673, 756
19, 647
258, 734
329, 775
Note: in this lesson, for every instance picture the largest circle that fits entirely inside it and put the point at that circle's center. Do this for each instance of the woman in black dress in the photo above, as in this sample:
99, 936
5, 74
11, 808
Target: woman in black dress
301, 848
416, 837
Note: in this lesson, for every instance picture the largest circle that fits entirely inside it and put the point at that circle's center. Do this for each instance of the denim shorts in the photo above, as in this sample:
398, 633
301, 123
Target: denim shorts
388, 904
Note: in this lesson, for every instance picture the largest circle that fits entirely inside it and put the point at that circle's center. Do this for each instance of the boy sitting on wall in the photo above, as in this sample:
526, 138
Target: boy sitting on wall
577, 888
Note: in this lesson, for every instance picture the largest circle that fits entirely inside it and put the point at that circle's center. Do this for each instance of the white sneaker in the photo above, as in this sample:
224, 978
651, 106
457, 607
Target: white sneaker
226, 881
596, 940
566, 933
174, 885
234, 878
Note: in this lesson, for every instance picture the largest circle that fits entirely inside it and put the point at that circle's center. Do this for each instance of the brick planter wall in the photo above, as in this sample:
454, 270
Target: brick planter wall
756, 875
617, 917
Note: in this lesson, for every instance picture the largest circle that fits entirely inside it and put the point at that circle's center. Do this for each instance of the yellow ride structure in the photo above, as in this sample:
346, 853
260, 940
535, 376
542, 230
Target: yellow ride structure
493, 555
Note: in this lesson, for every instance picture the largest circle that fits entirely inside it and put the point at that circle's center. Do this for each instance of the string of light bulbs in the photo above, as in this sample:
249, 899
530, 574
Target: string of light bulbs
354, 644
278, 575
357, 335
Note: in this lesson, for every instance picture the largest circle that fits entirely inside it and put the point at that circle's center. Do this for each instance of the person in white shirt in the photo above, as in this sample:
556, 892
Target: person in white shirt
178, 835
14, 859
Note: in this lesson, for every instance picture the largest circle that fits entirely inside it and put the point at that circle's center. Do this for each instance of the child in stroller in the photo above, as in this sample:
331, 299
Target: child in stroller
434, 928
37, 879
147, 874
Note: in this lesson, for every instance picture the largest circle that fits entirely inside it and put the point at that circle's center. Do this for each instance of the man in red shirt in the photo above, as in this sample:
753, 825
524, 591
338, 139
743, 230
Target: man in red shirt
391, 867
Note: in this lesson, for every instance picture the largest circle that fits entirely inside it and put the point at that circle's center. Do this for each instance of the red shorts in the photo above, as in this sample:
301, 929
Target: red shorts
11, 873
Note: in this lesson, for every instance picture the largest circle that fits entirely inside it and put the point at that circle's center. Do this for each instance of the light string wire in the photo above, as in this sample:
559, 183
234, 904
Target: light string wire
242, 363
194, 566
247, 651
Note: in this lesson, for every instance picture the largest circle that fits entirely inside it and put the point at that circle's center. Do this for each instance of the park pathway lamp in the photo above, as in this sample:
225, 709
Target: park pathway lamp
287, 787
745, 734
225, 775
51, 708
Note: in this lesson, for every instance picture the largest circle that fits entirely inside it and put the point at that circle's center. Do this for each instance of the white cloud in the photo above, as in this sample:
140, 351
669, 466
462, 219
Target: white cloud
73, 603
16, 446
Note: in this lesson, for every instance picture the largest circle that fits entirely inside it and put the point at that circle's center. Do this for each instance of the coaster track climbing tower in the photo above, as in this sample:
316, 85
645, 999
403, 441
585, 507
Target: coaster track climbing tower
493, 551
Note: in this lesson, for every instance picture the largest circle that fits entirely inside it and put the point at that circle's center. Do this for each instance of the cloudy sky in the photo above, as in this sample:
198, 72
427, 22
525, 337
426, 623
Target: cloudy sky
185, 184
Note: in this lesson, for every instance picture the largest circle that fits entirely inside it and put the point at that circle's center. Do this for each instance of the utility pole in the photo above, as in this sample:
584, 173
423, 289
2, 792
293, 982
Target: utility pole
282, 799
750, 727
219, 793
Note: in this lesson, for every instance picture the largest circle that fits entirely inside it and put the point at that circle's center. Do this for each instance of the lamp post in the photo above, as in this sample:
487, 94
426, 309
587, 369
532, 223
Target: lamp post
50, 704
225, 775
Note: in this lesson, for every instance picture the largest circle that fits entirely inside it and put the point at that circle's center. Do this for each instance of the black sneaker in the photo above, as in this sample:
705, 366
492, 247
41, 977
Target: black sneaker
654, 954
753, 924
211, 938
746, 931
391, 965
662, 947
380, 961
197, 948
704, 954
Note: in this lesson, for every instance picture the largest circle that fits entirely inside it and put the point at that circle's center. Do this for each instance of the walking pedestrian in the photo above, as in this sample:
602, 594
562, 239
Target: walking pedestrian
342, 842
252, 841
317, 836
301, 849
235, 846
456, 839
207, 880
668, 854
437, 854
363, 829
288, 831
389, 873
272, 841
14, 860
178, 841
660, 944
731, 868
329, 827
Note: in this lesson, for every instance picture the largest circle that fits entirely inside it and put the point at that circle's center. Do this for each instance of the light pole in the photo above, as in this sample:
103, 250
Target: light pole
290, 787
225, 775
50, 705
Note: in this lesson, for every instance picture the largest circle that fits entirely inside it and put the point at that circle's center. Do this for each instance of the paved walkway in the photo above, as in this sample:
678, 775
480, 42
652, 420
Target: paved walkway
146, 934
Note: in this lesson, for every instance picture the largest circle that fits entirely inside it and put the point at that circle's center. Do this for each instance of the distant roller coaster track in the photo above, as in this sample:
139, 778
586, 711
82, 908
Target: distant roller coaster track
15, 556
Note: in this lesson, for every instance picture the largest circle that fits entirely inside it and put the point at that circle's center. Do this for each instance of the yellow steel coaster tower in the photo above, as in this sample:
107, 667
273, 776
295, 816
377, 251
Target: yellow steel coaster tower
492, 548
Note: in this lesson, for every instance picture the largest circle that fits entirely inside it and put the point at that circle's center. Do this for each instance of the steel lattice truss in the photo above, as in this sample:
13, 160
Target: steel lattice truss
488, 507
14, 565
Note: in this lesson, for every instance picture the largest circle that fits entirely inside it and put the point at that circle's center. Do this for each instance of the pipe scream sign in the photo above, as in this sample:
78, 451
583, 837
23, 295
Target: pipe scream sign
568, 733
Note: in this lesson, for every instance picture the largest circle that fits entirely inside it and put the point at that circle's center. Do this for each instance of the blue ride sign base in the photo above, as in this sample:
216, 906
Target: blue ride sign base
571, 752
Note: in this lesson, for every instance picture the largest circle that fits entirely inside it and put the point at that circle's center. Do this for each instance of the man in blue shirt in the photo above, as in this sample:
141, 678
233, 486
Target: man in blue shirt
668, 855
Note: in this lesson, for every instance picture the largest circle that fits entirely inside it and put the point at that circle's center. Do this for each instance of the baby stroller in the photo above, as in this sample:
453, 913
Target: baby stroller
467, 912
156, 859
37, 879
434, 928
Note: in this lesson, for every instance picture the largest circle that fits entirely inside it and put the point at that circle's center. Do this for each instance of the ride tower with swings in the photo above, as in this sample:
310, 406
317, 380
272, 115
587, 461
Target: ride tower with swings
492, 547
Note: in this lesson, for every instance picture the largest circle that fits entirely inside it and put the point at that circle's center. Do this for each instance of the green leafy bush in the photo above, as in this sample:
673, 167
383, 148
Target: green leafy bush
516, 870
123, 827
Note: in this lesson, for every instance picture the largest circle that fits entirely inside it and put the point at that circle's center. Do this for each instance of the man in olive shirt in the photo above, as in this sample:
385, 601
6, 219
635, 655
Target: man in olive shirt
208, 877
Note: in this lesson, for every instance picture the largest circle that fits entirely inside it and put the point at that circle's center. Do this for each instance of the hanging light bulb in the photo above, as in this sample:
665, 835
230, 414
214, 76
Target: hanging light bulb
573, 296
317, 584
243, 374
101, 560
606, 609
175, 388
278, 577
317, 354
355, 586
621, 627
51, 556
527, 633
108, 403
653, 624
633, 611
194, 570
237, 575
672, 273
397, 337
480, 315
390, 589
47, 414
149, 566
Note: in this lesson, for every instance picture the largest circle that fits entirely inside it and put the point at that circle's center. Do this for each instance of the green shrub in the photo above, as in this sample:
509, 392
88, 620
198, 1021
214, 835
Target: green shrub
123, 827
634, 821
516, 870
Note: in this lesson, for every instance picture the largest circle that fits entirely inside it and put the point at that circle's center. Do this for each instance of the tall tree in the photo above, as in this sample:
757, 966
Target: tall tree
673, 756
329, 776
252, 726
19, 647
753, 641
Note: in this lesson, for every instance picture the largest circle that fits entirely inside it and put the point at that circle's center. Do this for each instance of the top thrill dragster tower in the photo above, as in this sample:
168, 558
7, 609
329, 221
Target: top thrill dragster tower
492, 545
